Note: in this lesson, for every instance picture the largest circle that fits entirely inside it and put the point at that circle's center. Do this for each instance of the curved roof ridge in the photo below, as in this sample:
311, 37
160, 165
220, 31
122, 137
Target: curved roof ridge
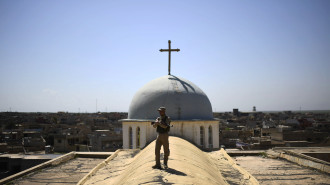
187, 165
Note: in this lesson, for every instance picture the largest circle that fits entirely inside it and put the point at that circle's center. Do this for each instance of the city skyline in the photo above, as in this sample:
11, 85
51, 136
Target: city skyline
82, 56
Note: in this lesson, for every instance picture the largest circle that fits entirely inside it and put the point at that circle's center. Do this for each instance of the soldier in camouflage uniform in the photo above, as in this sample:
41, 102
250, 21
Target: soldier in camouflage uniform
162, 124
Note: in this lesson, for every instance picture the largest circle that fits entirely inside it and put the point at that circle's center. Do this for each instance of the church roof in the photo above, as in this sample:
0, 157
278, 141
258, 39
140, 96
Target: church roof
187, 165
183, 100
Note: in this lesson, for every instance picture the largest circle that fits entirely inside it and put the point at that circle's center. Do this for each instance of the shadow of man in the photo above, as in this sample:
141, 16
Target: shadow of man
175, 172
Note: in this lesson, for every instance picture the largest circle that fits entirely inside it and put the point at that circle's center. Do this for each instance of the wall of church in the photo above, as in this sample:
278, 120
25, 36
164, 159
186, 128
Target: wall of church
134, 140
190, 130
151, 133
205, 134
183, 129
216, 134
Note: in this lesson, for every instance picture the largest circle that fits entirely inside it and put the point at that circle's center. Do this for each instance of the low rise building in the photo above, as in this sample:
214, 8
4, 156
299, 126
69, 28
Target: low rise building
105, 140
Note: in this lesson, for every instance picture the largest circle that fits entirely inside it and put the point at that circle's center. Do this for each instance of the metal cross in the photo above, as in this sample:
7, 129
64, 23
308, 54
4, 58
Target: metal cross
169, 55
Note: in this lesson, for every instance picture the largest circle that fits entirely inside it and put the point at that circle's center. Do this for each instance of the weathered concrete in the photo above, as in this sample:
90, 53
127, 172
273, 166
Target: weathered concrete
324, 156
279, 171
324, 167
297, 155
52, 162
114, 167
66, 173
97, 157
99, 166
14, 163
187, 165
246, 175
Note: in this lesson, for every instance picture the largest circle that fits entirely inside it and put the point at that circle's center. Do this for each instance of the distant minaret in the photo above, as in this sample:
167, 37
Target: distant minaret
254, 109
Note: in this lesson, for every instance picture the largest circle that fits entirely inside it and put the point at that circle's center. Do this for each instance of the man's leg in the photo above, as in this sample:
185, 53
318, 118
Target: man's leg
166, 149
157, 151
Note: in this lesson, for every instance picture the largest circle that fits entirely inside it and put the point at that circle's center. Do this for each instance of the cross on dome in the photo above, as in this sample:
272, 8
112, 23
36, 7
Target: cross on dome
169, 50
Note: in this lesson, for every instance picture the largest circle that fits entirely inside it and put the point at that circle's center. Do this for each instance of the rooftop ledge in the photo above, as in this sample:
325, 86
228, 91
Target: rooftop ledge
150, 120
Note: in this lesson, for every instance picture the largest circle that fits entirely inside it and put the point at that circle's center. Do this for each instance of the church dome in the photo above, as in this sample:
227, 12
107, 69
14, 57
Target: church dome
183, 100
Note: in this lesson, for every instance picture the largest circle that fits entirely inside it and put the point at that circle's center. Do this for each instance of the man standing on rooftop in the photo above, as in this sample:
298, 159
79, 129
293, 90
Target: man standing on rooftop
162, 124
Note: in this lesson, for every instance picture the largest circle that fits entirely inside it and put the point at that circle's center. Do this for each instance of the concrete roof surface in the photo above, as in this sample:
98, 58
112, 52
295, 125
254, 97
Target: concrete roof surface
278, 171
187, 165
69, 172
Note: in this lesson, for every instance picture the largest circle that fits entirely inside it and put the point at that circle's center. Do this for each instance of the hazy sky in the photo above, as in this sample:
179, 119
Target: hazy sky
65, 55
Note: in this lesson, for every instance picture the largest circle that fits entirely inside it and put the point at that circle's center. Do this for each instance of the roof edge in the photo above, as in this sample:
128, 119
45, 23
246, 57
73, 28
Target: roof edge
150, 120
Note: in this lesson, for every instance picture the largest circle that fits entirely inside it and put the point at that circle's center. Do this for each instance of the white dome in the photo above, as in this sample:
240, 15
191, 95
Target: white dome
183, 100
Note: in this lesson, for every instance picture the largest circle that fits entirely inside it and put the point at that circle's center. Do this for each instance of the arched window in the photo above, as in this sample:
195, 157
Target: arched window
130, 137
201, 136
210, 137
138, 137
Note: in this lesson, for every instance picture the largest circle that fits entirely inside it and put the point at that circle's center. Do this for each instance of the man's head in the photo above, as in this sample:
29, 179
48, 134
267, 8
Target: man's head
161, 111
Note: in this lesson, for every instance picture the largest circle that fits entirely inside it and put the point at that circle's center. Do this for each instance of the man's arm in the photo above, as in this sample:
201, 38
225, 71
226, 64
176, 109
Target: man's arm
166, 123
161, 125
158, 123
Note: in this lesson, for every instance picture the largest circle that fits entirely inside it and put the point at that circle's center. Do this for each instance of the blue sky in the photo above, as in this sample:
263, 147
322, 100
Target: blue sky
65, 55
